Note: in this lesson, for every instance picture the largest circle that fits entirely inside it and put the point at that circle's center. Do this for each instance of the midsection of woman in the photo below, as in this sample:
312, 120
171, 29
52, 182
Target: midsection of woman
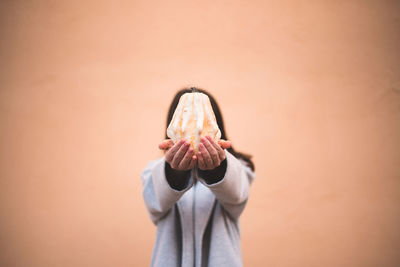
197, 225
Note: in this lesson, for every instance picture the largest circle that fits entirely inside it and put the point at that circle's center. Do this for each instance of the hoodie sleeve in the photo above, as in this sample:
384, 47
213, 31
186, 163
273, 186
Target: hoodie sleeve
157, 192
232, 191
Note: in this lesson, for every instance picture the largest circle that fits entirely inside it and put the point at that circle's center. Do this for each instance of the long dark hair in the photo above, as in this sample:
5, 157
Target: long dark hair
218, 116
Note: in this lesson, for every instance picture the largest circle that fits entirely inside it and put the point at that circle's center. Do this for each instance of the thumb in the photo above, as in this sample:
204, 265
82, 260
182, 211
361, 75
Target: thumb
166, 144
225, 144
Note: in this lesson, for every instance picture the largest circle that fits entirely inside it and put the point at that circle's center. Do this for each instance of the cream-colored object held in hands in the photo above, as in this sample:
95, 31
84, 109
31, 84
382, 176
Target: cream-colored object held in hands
192, 119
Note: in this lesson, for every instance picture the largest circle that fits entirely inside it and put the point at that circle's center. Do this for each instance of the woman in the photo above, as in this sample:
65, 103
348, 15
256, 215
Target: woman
196, 200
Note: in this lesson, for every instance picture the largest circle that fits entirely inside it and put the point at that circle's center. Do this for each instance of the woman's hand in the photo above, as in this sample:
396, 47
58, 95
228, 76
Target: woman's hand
205, 156
211, 154
179, 156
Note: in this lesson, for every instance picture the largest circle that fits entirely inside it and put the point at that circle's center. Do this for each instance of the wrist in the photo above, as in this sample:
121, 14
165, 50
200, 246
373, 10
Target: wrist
177, 179
215, 175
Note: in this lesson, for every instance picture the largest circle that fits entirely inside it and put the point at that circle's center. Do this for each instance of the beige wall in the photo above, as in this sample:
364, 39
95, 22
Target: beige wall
310, 88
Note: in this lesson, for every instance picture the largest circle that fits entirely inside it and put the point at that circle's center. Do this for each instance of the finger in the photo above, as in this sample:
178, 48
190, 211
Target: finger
225, 144
208, 162
169, 156
220, 151
192, 162
185, 162
200, 161
166, 144
213, 152
179, 155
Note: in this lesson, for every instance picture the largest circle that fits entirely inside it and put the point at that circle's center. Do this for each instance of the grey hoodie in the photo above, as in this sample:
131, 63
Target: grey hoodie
198, 225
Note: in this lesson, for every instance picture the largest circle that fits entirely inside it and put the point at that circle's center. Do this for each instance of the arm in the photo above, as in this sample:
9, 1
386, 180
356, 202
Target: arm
167, 179
159, 196
232, 191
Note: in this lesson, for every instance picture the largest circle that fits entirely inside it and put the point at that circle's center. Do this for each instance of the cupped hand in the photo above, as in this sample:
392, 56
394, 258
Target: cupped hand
180, 155
211, 154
